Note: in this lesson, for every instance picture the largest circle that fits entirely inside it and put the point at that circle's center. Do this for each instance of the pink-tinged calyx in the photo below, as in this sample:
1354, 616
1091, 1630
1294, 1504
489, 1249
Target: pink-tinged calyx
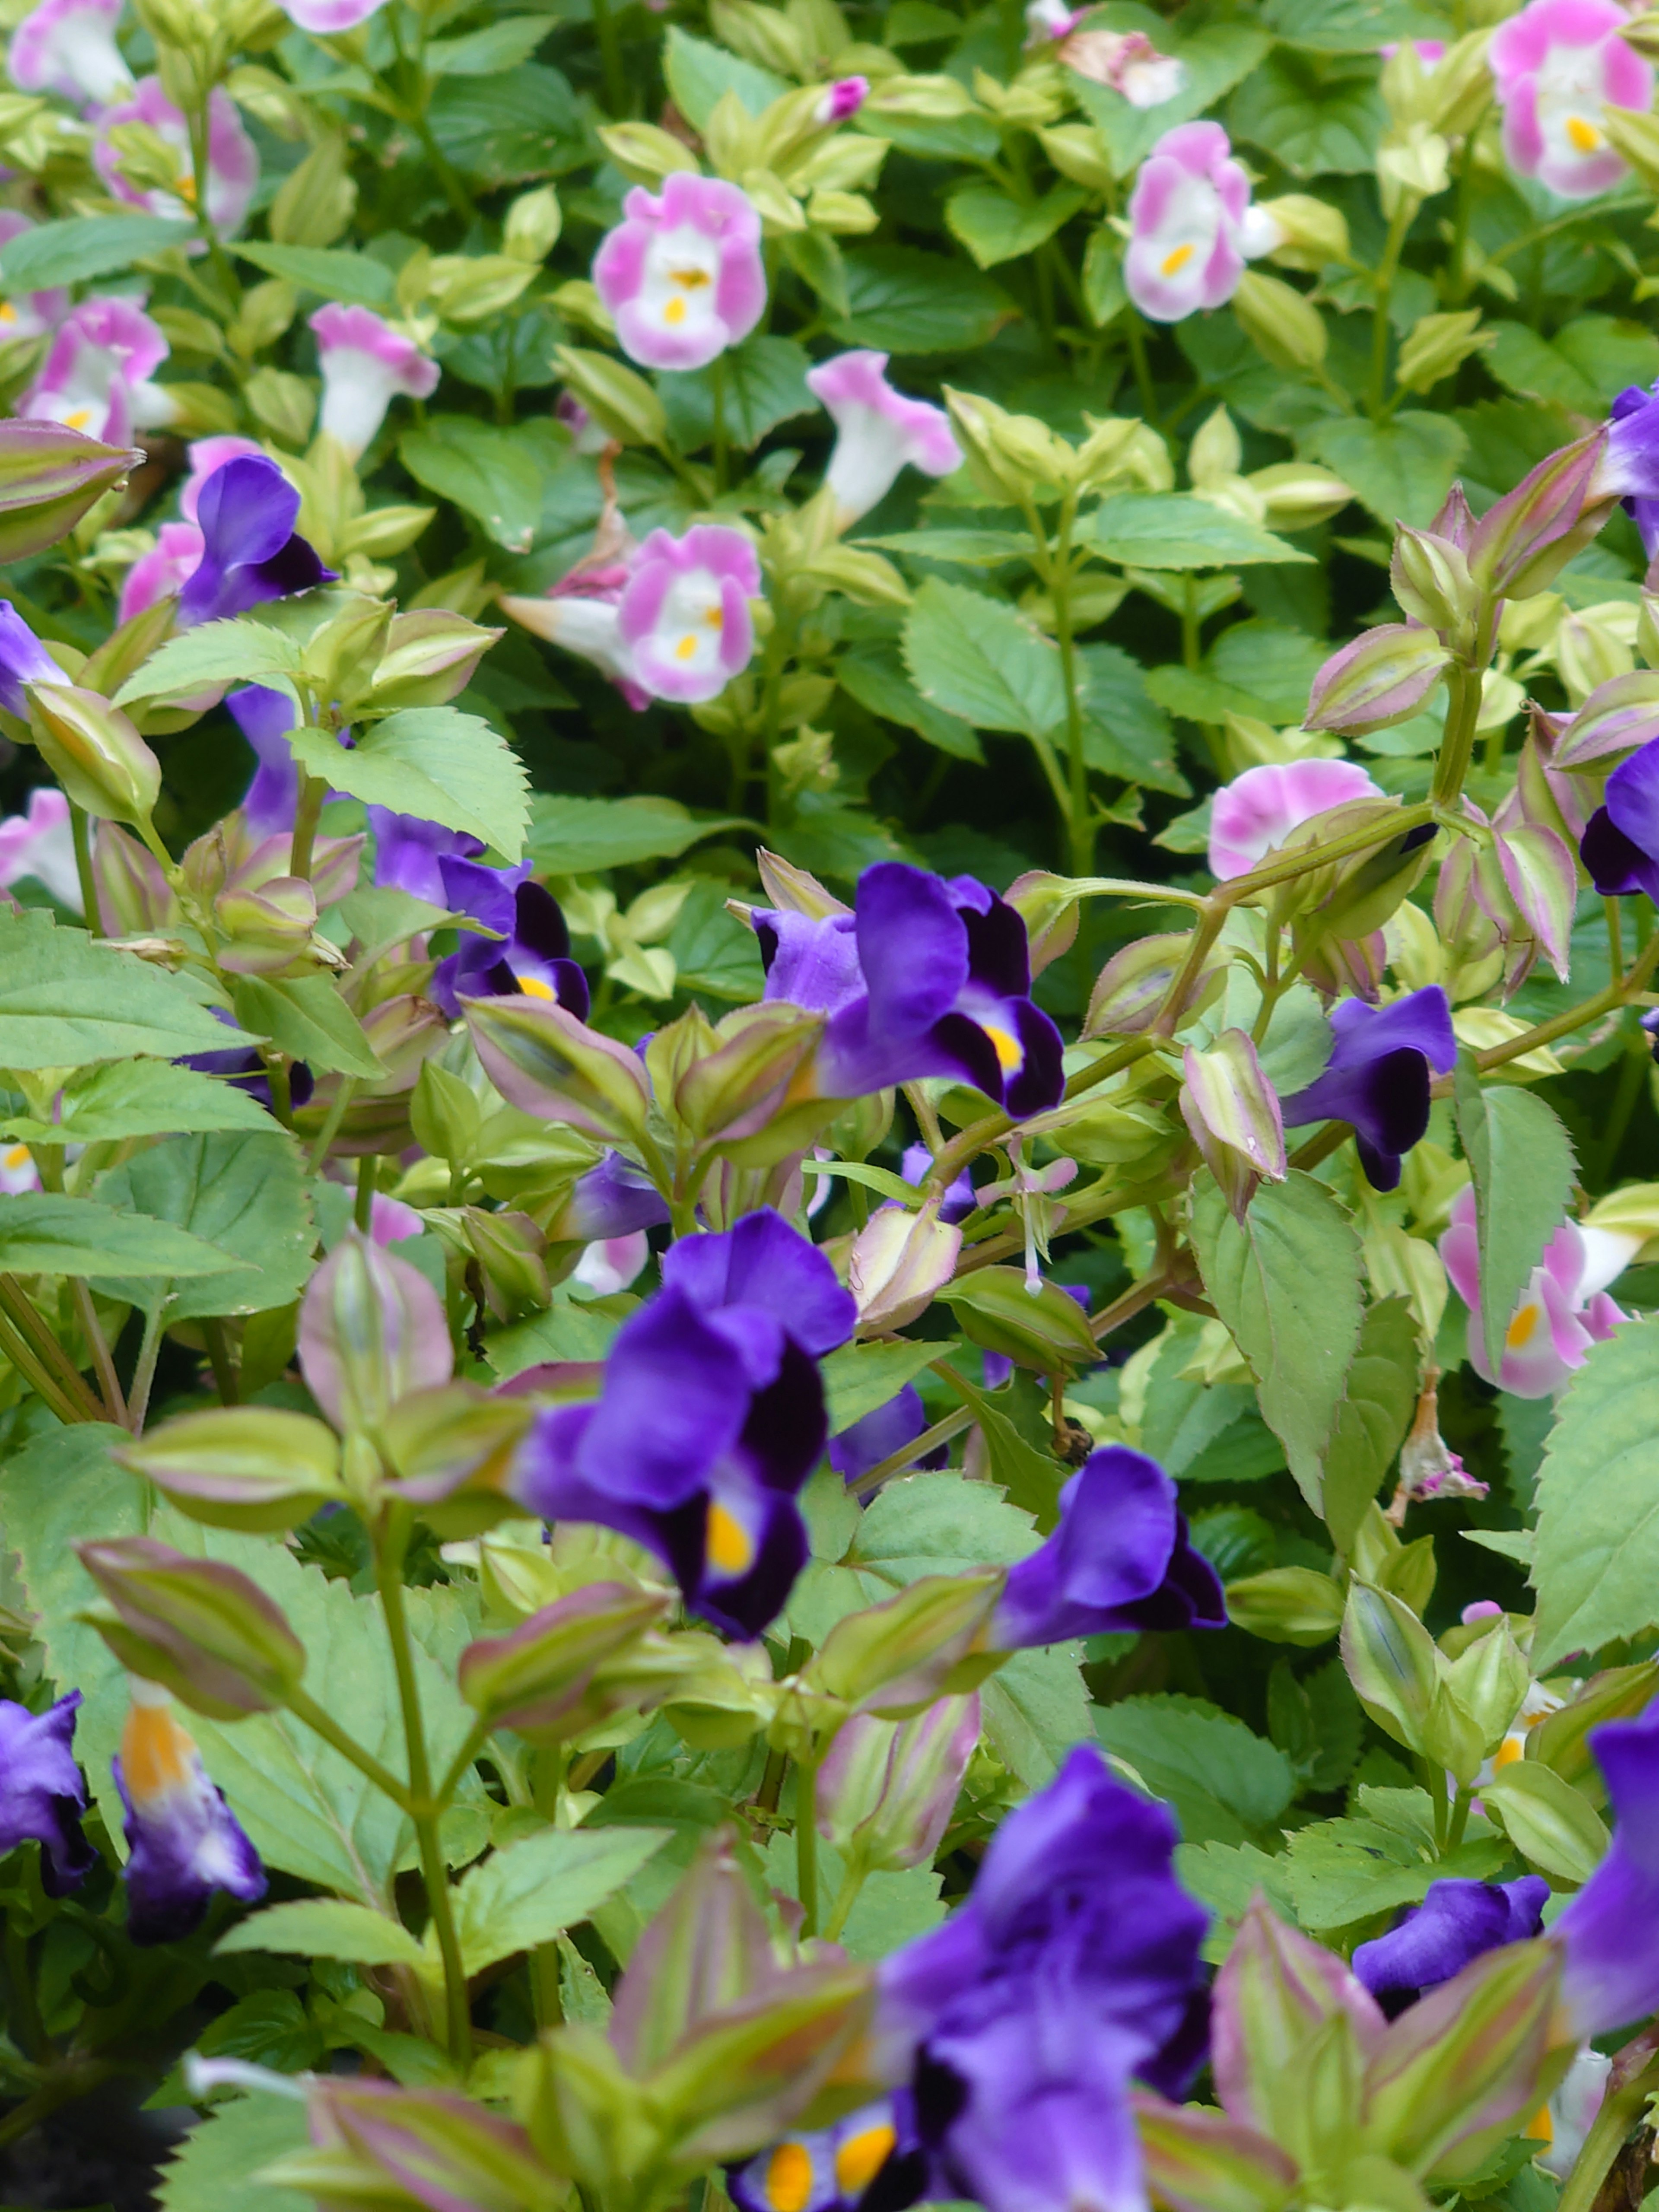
683, 617
366, 364
1558, 65
68, 46
682, 274
1258, 809
881, 431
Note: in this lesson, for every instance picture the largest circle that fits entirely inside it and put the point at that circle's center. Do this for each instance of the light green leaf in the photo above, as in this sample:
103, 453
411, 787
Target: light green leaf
1226, 1878
1338, 27
1597, 1570
996, 227
1286, 1283
245, 1194
1337, 1872
967, 549
307, 1018
84, 246
1402, 469
1319, 118
861, 1377
1523, 1163
482, 468
974, 657
356, 278
1272, 663
433, 761
44, 1233
763, 383
581, 836
700, 75
1034, 1708
893, 1907
1183, 1414
713, 953
1525, 362
909, 302
1582, 368
1553, 1826
326, 1927
510, 129
216, 2164
239, 652
922, 1524
490, 53
1225, 1783
534, 1890
1177, 529
138, 1098
1373, 1418
65, 1002
875, 678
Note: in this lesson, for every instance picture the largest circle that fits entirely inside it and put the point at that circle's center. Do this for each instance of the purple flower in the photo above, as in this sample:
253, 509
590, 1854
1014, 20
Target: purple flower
1454, 1924
68, 46
880, 1434
408, 852
614, 1199
207, 456
98, 376
1192, 225
365, 365
1610, 1931
264, 717
233, 162
879, 432
1621, 845
42, 1796
183, 1839
958, 1202
710, 1420
1258, 809
683, 619
1377, 1077
1559, 65
811, 960
530, 952
683, 275
23, 659
1563, 1310
243, 1069
40, 844
1073, 1968
250, 552
871, 2161
1120, 1559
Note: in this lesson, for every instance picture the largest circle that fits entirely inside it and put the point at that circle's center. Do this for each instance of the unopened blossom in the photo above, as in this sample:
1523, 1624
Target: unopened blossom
366, 365
68, 46
872, 2158
1430, 52
28, 314
842, 100
1564, 1309
1455, 1924
682, 274
162, 573
1129, 62
42, 1796
233, 163
878, 432
1192, 225
1258, 809
251, 552
587, 435
1559, 66
610, 1203
611, 1264
98, 376
898, 1261
528, 953
23, 659
1378, 1077
185, 1844
683, 619
18, 1171
39, 843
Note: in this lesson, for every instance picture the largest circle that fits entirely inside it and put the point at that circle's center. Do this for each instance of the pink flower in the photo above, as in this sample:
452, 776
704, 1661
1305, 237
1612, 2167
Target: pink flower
233, 163
68, 46
207, 454
1193, 227
35, 313
587, 435
18, 1172
162, 573
1050, 19
1259, 810
97, 376
582, 614
323, 18
684, 618
842, 100
1558, 65
1429, 52
612, 1264
880, 431
390, 1221
1563, 1310
1129, 63
40, 844
365, 365
683, 275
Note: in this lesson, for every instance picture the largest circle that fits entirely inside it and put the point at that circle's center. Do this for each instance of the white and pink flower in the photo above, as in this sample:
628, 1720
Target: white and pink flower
1193, 227
682, 274
324, 19
1559, 65
18, 1172
1563, 1310
233, 167
163, 572
366, 365
32, 313
684, 618
39, 843
611, 1264
98, 375
842, 100
1046, 21
68, 46
1127, 62
205, 455
1258, 809
879, 432
581, 614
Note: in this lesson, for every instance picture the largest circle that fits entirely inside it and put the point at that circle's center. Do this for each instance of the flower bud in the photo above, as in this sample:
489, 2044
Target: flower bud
1296, 495
1311, 233
94, 752
1489, 1680
1232, 1111
897, 1659
734, 1090
1080, 152
1383, 677
430, 657
887, 1789
445, 1114
1046, 1330
341, 658
1048, 906
1134, 983
1432, 583
539, 1680
1412, 164
469, 287
897, 1264
268, 925
1561, 1740
1437, 344
645, 153
50, 477
203, 1629
257, 1468
371, 1330
1391, 1661
545, 1063
1282, 324
370, 2137
1012, 457
616, 396
1286, 1605
532, 225
509, 1250
1523, 540
1636, 136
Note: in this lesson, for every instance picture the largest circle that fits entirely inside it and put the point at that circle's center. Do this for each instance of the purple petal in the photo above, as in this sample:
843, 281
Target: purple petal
765, 1263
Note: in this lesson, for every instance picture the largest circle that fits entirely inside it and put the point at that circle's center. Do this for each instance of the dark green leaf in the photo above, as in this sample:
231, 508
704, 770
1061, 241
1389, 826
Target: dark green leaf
507, 129
44, 1233
1225, 1784
699, 75
245, 1194
1125, 733
1338, 27
876, 680
1373, 1418
484, 469
435, 762
1596, 1569
1318, 117
581, 836
713, 953
84, 246
1402, 469
1176, 529
764, 383
909, 302
1522, 1161
490, 53
305, 1018
860, 1378
973, 657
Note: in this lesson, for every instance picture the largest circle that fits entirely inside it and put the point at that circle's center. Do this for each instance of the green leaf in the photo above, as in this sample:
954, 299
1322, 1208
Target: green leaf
700, 75
1597, 1570
356, 278
1286, 1283
1177, 529
508, 130
996, 227
1372, 1419
860, 1378
1125, 733
1034, 1708
1225, 1783
216, 2165
65, 1002
482, 468
875, 678
138, 1098
1319, 117
243, 1191
1553, 1826
815, 258
497, 48
1522, 1161
1246, 1452
435, 762
305, 1018
581, 836
908, 302
1338, 1872
1184, 1414
1338, 27
569, 1328
1030, 1477
763, 383
975, 657
76, 251
936, 1524
967, 549
1274, 663
1525, 362
237, 652
893, 1908
44, 1233
1215, 58
1225, 1878
326, 1927
534, 1890
1402, 469
1584, 368
713, 953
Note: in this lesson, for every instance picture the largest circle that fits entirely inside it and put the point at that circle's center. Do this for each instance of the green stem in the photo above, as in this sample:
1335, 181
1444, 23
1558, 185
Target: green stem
1081, 828
806, 1845
1575, 1017
218, 1351
1386, 271
303, 1707
1620, 2109
363, 1211
144, 1374
1135, 331
29, 2029
1615, 945
846, 1897
477, 1737
610, 60
1457, 745
907, 1455
20, 1354
1460, 1818
307, 814
108, 1381
331, 1128
30, 1326
81, 831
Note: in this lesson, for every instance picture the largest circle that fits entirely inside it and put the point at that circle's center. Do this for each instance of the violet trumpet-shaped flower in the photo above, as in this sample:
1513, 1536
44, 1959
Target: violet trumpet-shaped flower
409, 853
1621, 845
811, 960
880, 1434
250, 552
1559, 66
1130, 64
42, 1796
23, 659
39, 843
1071, 1970
264, 717
683, 619
871, 2161
878, 432
1377, 1077
1192, 225
185, 1843
242, 1067
614, 1199
68, 46
1456, 1922
163, 572
958, 1201
233, 162
1258, 809
207, 456
32, 314
1120, 1559
531, 953
365, 365
98, 375
1563, 1310
683, 274
1609, 1933
710, 1420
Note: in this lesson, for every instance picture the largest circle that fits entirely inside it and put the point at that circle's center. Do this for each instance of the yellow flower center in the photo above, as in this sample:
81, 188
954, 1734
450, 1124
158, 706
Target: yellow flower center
788, 2171
1176, 259
18, 1156
1585, 137
7, 313
533, 988
1007, 1046
730, 1551
78, 420
862, 2156
1522, 1328
185, 188
675, 311
1539, 2128
156, 1753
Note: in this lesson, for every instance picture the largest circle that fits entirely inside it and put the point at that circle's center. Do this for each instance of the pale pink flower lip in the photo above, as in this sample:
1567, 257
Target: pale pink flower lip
881, 431
1563, 1310
163, 572
683, 617
366, 364
18, 1172
38, 843
97, 377
323, 18
683, 275
1190, 225
1129, 62
1258, 809
68, 46
611, 1264
1558, 65
233, 162
207, 454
